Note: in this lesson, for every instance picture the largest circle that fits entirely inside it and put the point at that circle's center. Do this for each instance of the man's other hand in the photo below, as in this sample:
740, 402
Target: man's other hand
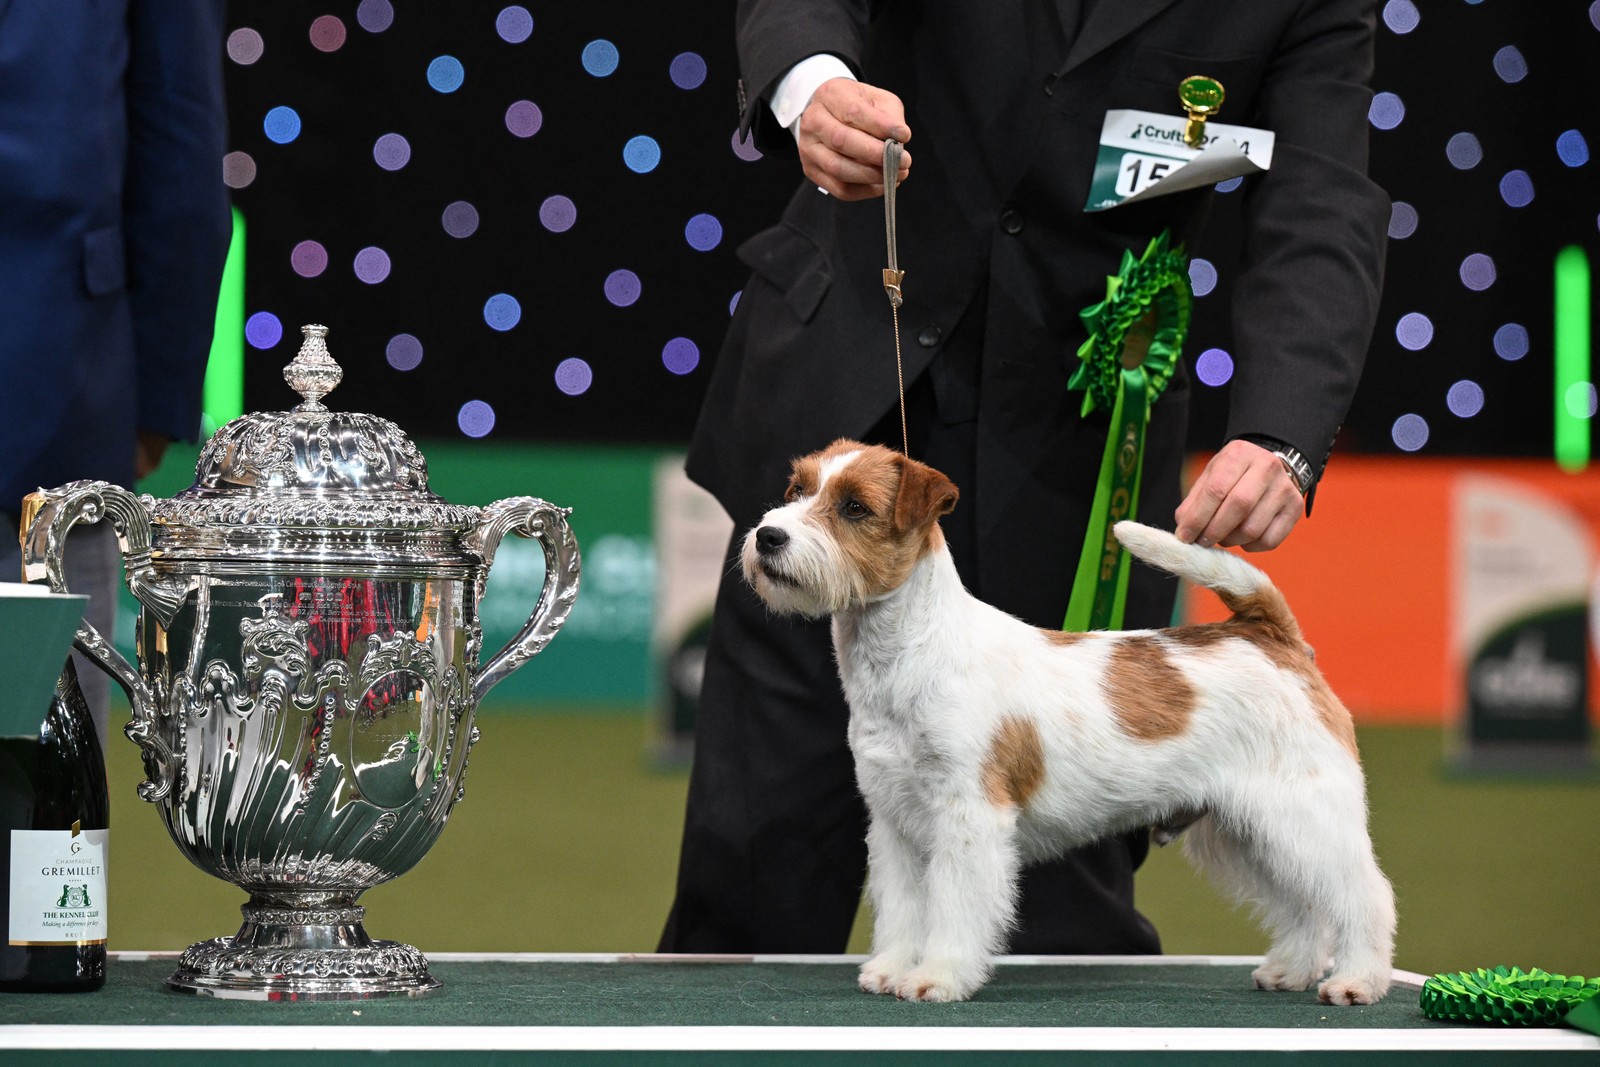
1244, 497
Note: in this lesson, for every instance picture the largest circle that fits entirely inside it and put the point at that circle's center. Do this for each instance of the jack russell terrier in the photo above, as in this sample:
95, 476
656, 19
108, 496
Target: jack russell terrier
982, 743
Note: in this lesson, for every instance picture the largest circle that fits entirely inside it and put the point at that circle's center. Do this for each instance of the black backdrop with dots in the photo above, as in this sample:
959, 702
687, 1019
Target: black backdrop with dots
519, 220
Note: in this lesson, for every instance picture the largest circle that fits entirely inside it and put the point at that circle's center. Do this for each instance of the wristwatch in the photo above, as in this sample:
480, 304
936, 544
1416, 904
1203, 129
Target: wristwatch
1293, 460
1297, 465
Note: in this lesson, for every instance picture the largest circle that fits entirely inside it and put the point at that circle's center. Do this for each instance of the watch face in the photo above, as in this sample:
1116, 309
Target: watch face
1298, 468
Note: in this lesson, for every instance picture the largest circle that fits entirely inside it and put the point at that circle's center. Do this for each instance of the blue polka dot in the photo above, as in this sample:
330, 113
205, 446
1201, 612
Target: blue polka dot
622, 288
1202, 276
1516, 188
263, 330
1465, 399
404, 352
680, 355
1511, 342
641, 154
688, 70
501, 311
1402, 220
282, 125
1386, 111
1214, 367
1410, 432
1464, 151
514, 24
574, 376
1510, 65
1230, 185
1414, 331
375, 16
446, 74
1401, 16
1478, 272
475, 418
557, 214
733, 304
600, 58
1572, 148
703, 233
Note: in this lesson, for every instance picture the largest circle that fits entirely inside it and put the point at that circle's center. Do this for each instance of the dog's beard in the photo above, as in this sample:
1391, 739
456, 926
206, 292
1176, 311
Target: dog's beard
808, 577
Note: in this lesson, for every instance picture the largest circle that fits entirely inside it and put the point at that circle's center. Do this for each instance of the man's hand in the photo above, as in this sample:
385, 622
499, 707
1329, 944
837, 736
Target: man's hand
148, 452
1244, 497
841, 135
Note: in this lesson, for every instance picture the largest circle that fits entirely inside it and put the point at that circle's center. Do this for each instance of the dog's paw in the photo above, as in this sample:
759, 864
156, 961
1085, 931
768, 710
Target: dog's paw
882, 973
1347, 990
1271, 975
938, 984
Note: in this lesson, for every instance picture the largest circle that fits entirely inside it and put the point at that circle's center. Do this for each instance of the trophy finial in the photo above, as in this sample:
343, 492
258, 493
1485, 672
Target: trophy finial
313, 373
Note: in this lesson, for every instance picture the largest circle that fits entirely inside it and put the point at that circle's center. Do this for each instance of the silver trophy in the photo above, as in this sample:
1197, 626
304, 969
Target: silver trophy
308, 652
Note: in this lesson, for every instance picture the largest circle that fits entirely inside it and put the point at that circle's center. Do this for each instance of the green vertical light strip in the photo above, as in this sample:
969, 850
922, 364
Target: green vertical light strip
1573, 382
224, 388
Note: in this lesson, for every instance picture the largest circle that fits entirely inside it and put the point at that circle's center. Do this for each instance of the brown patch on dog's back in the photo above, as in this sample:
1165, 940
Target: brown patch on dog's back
1015, 767
1148, 693
1287, 651
1330, 709
1063, 638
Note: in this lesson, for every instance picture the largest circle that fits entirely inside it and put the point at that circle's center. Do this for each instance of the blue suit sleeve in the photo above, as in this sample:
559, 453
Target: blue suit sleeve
176, 212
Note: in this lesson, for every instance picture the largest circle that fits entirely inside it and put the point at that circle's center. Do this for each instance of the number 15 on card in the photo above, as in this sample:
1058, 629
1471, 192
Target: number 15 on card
1138, 172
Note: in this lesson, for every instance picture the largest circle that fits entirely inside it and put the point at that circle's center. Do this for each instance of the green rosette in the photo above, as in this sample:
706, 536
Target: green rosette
1511, 996
1135, 337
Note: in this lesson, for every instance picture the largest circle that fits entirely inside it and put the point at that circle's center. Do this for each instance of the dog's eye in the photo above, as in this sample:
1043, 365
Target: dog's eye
793, 491
854, 509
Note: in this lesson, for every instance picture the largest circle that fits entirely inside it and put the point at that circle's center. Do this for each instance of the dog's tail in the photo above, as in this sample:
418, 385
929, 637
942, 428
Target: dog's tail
1244, 590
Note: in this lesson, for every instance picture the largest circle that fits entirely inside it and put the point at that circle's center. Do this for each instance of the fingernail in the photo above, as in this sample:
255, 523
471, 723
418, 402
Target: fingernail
1203, 542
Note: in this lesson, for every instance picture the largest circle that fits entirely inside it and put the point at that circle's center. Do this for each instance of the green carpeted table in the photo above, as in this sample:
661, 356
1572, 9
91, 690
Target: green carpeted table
596, 1011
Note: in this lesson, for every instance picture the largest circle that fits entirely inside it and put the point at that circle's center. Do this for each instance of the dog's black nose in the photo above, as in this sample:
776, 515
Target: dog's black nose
769, 539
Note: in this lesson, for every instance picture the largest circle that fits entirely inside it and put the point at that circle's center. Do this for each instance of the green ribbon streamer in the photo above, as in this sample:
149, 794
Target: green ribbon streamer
1135, 337
1510, 996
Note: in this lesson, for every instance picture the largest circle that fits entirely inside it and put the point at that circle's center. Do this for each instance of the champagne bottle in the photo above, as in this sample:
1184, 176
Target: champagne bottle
54, 830
55, 816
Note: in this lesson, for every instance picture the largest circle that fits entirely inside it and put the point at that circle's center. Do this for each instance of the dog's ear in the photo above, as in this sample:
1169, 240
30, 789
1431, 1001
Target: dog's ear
924, 494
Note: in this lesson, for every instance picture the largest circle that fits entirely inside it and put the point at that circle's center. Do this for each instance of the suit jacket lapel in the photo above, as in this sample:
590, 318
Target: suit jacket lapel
1106, 23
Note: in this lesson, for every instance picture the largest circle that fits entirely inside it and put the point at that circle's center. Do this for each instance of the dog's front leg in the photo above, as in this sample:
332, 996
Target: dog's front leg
895, 879
970, 897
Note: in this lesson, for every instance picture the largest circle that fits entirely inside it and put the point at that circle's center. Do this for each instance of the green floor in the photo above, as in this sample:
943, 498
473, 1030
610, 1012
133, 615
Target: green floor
567, 841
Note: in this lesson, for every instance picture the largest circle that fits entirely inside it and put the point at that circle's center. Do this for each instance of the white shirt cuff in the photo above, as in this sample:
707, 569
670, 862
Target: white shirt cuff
794, 90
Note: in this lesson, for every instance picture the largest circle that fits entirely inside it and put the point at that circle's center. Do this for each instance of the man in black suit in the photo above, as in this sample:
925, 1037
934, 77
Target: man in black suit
1006, 102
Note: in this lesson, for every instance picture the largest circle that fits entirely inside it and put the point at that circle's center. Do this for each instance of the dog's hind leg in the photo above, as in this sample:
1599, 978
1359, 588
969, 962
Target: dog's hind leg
895, 876
1314, 852
1363, 917
971, 893
1298, 954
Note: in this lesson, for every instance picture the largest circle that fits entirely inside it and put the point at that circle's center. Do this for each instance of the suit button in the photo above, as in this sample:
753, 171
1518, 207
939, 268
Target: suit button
1011, 221
929, 336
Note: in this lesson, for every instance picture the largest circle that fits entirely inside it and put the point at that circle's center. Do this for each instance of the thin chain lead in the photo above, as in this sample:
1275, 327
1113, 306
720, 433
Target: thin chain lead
900, 377
893, 275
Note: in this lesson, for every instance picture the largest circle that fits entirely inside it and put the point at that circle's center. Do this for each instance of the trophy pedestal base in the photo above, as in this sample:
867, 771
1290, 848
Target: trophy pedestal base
289, 953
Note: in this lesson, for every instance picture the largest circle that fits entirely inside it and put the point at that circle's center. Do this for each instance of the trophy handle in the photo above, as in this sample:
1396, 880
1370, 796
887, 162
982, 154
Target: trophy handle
61, 509
527, 516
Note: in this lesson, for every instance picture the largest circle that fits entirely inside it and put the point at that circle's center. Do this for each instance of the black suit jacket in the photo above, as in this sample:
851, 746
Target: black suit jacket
1005, 100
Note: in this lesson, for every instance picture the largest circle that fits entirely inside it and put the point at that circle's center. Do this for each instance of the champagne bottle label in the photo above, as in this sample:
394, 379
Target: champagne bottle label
58, 887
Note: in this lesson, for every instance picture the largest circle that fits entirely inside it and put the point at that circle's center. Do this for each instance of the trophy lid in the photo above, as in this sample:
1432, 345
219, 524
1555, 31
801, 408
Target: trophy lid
311, 467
